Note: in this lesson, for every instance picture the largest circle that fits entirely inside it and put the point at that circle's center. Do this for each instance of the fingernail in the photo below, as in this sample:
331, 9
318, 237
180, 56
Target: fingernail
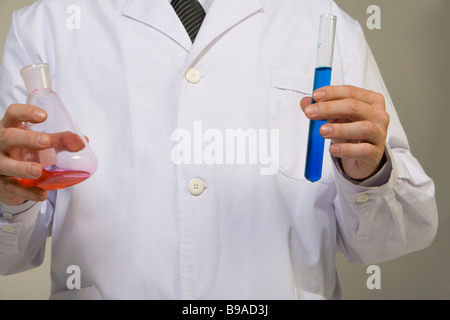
311, 110
334, 150
43, 140
35, 170
326, 131
42, 195
319, 95
40, 114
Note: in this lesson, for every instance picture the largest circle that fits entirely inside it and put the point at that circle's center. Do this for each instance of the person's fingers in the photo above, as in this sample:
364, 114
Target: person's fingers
348, 92
19, 138
351, 109
365, 131
16, 190
356, 151
20, 169
17, 113
306, 101
68, 141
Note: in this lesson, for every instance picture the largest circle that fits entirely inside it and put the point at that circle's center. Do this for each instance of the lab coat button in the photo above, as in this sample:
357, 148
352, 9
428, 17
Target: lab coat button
7, 216
193, 76
363, 198
196, 187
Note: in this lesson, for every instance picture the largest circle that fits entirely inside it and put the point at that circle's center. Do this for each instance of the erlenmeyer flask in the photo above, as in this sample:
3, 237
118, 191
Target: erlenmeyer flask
70, 159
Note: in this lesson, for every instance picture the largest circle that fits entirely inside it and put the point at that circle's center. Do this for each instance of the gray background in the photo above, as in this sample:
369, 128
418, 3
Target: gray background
412, 50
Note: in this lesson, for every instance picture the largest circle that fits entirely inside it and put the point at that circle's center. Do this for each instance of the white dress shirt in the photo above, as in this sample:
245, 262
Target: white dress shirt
142, 227
206, 4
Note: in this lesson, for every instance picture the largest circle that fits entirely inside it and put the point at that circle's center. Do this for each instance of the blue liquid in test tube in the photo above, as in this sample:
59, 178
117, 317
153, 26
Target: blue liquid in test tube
322, 78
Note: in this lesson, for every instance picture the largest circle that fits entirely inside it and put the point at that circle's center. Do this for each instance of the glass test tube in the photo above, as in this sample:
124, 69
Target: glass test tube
322, 78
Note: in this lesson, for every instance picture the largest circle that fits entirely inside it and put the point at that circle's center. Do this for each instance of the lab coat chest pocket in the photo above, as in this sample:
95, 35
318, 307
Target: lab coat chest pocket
288, 88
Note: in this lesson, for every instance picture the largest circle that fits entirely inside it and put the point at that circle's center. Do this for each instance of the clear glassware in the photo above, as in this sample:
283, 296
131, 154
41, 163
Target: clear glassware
70, 160
322, 78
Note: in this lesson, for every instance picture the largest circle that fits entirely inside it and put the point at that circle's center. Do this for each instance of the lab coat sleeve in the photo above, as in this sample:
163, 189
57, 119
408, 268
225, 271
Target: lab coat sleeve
384, 222
22, 238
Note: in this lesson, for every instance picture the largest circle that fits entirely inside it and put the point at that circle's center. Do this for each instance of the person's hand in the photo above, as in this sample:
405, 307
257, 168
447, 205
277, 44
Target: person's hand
13, 137
67, 141
357, 123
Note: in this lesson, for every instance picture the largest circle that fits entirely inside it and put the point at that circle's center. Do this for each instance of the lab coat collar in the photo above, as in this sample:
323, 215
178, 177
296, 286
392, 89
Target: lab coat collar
160, 15
222, 16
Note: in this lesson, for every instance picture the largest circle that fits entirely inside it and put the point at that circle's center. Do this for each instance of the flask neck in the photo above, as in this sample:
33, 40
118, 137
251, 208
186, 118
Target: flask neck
41, 90
36, 77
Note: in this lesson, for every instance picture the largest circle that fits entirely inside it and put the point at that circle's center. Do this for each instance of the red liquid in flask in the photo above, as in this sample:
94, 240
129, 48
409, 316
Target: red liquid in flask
57, 179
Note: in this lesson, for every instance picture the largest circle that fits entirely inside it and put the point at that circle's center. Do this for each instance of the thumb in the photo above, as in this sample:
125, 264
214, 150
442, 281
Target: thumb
306, 101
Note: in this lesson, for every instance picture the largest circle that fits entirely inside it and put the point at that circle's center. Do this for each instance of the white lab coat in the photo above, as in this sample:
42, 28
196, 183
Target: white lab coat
134, 229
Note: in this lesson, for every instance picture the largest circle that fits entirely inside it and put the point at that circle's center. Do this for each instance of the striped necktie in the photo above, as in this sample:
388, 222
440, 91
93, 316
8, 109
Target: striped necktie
191, 14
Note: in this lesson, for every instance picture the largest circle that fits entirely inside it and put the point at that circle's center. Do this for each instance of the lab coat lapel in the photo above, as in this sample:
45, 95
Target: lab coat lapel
222, 16
160, 15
